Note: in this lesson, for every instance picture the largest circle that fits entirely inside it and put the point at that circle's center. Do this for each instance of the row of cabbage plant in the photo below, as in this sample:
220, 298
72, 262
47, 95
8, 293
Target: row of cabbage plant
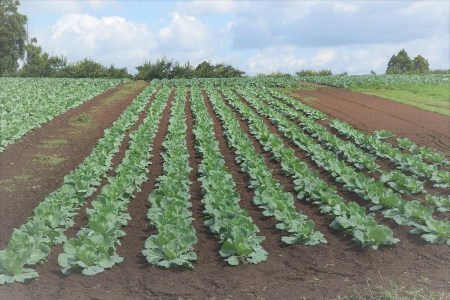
347, 216
94, 247
224, 216
170, 211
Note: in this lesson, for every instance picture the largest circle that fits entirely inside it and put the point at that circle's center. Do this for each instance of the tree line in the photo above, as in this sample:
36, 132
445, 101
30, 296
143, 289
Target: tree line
402, 64
40, 64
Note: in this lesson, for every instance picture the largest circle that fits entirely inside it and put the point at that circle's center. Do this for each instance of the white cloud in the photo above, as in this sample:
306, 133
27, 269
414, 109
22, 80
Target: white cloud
275, 59
108, 39
323, 57
292, 11
431, 8
345, 7
33, 7
202, 7
125, 43
361, 59
256, 36
184, 31
331, 24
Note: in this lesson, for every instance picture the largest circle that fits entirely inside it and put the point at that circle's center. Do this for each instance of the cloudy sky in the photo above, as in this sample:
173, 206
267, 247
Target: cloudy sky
255, 36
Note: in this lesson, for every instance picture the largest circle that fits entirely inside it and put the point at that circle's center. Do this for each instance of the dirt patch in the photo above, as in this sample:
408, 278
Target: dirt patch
371, 113
291, 272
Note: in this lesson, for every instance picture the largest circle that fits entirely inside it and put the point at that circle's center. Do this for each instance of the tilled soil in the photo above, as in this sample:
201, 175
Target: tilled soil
324, 271
370, 113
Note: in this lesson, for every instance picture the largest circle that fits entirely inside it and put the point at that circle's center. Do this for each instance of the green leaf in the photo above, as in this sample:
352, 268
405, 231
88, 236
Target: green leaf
233, 260
92, 270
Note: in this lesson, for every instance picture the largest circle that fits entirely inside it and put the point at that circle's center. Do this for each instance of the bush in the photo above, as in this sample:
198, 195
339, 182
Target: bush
322, 72
164, 68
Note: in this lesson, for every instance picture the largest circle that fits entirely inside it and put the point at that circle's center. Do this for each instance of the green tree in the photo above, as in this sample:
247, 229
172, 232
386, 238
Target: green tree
88, 68
224, 70
41, 64
13, 36
113, 72
162, 68
179, 71
307, 72
204, 70
400, 63
420, 65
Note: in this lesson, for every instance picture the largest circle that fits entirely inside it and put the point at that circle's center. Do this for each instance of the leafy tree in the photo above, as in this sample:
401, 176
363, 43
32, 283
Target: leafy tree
40, 64
276, 74
204, 70
323, 72
13, 36
179, 71
113, 72
225, 70
163, 68
88, 68
420, 65
400, 63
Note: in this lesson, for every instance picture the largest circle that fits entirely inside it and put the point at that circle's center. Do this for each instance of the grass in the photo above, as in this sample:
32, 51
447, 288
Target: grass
47, 144
23, 177
125, 90
308, 99
434, 98
9, 185
397, 292
49, 159
82, 120
303, 87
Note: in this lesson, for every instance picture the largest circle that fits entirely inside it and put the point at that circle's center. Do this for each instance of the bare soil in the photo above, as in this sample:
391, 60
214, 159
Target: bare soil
325, 271
370, 113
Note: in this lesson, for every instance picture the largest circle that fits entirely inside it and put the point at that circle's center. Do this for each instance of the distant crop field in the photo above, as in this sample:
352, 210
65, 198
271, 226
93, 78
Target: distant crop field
27, 103
196, 176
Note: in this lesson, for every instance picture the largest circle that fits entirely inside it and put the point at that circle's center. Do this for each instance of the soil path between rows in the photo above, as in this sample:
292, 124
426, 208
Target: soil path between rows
371, 113
36, 164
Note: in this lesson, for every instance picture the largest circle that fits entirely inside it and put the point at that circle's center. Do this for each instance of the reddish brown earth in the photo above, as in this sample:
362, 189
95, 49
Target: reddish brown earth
371, 113
291, 272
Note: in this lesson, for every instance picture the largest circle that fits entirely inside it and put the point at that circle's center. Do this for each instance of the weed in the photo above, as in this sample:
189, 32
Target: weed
396, 292
53, 143
49, 159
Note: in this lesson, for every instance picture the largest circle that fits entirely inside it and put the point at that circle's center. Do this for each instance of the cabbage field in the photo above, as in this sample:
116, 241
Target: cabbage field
27, 103
379, 81
366, 187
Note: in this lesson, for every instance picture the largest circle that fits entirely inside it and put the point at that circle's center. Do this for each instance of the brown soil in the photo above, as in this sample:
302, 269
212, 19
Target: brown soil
291, 272
371, 113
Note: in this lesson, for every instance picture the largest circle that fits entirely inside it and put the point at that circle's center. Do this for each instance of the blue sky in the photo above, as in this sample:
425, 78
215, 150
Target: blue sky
255, 36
